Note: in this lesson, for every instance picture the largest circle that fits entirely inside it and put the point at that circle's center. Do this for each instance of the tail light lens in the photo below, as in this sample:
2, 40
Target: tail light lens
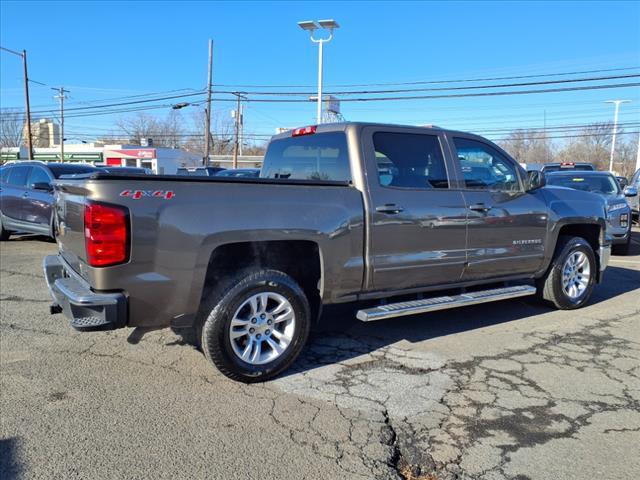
106, 234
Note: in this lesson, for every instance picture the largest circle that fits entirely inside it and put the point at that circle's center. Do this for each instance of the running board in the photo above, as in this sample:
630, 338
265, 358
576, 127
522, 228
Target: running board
442, 303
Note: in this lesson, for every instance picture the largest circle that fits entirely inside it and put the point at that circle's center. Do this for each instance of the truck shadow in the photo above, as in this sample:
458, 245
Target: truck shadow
338, 325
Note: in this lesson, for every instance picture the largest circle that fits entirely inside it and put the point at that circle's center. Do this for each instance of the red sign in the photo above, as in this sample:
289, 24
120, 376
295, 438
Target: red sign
136, 153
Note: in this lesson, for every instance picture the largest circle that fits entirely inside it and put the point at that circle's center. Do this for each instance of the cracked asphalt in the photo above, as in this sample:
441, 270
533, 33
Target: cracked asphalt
508, 390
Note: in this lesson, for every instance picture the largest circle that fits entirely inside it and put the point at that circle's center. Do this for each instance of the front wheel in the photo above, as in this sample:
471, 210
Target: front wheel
256, 325
570, 280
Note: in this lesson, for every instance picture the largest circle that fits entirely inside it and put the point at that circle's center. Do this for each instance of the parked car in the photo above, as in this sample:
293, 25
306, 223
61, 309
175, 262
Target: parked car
634, 201
605, 185
622, 181
127, 170
341, 212
26, 195
240, 173
200, 171
560, 166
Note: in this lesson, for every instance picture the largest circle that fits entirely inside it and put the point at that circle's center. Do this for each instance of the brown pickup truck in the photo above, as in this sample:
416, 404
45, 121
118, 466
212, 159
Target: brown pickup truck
341, 213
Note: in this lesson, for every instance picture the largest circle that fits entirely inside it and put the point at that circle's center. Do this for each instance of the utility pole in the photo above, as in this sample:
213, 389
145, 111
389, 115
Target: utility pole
207, 121
546, 146
61, 91
615, 129
26, 96
238, 115
241, 127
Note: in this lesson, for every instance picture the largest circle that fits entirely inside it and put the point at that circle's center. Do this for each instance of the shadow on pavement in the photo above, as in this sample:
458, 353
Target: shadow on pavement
10, 468
340, 327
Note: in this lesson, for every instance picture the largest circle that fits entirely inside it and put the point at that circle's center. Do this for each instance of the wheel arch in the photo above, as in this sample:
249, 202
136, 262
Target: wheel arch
300, 259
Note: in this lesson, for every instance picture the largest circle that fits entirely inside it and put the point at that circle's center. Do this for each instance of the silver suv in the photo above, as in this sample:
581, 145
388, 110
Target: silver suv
634, 201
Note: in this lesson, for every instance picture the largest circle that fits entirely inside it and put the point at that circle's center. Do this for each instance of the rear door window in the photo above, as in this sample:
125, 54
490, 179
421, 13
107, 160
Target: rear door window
18, 176
38, 175
322, 156
409, 160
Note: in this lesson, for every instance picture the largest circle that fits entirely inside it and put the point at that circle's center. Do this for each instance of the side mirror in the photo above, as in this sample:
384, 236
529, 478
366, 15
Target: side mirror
535, 180
630, 191
42, 186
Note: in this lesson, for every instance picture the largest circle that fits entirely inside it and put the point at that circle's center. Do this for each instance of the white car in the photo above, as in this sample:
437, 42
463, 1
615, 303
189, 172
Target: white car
634, 201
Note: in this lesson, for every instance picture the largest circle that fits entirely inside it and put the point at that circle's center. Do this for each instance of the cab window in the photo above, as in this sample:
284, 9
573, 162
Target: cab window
485, 168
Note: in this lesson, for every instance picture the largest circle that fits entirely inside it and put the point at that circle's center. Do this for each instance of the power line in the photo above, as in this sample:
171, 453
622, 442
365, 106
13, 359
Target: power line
432, 82
438, 89
361, 99
380, 92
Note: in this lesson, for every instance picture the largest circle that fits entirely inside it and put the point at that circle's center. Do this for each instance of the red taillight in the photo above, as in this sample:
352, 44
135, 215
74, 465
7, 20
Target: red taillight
311, 129
106, 234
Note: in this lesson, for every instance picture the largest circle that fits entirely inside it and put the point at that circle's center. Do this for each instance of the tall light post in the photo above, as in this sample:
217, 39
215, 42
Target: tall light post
311, 26
615, 128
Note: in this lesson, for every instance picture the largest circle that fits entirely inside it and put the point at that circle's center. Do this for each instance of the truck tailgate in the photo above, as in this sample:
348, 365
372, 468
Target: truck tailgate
69, 224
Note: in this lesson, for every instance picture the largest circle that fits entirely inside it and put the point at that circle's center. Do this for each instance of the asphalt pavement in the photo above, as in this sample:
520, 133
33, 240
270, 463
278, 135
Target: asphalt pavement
505, 390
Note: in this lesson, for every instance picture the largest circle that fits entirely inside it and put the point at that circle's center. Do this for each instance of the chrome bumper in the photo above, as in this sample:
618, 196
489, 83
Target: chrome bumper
86, 309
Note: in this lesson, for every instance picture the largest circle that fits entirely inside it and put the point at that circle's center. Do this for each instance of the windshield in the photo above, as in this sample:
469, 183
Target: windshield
59, 170
589, 183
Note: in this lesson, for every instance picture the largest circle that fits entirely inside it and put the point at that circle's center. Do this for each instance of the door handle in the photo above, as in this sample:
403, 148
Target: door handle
25, 194
479, 207
390, 208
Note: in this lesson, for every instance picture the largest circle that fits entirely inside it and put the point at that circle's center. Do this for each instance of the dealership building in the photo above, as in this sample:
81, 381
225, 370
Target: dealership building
160, 160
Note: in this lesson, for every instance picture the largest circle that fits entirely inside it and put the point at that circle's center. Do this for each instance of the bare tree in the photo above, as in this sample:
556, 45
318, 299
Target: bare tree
529, 146
221, 135
626, 154
166, 132
11, 128
592, 144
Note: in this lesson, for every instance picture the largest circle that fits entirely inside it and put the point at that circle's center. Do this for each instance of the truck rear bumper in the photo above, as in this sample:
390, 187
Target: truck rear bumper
86, 309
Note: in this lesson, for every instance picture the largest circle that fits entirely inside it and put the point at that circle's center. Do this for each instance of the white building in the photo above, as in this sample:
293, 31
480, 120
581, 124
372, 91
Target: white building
159, 160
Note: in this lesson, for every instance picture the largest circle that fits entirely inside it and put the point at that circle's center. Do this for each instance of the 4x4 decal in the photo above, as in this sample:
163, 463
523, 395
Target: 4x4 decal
137, 194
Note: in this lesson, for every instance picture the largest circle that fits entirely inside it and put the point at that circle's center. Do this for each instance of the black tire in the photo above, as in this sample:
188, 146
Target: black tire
550, 288
219, 307
4, 234
622, 249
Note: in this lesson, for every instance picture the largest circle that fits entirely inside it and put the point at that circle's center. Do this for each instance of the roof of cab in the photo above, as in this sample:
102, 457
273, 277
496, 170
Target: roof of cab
344, 126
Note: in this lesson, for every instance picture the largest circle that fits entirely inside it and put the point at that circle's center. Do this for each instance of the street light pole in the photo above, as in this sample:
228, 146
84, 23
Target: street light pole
319, 104
311, 26
615, 128
26, 96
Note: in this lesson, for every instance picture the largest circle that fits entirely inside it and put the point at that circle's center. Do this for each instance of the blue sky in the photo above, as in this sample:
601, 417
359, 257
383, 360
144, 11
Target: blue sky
105, 50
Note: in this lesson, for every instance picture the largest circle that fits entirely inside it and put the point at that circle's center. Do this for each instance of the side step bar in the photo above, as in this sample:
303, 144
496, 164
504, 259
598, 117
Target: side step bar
442, 303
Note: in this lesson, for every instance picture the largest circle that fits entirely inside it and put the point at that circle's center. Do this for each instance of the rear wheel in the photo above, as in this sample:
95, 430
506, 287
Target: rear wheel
570, 280
255, 326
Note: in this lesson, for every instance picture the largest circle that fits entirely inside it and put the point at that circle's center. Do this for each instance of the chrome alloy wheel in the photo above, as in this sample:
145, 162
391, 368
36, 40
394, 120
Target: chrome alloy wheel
576, 273
262, 328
